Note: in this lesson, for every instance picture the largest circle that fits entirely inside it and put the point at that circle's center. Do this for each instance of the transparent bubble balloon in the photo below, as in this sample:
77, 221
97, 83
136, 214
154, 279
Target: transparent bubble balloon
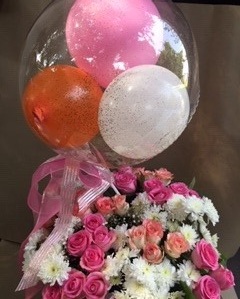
77, 49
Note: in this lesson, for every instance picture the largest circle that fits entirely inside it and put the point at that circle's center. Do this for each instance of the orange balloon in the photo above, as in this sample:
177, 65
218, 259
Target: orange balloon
61, 106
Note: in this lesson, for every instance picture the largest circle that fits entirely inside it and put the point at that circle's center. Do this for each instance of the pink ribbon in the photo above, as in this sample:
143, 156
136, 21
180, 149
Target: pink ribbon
67, 174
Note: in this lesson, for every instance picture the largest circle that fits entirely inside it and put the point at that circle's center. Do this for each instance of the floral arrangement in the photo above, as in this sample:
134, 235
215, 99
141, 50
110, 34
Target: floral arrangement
151, 241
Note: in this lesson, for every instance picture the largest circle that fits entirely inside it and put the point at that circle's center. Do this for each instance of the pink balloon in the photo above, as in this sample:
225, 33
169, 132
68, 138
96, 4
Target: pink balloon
108, 37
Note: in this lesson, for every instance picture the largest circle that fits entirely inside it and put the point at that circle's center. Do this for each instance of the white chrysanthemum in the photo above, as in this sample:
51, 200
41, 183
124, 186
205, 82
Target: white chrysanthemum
206, 233
35, 238
172, 226
165, 274
215, 240
122, 256
189, 234
141, 271
27, 257
141, 202
210, 210
188, 273
176, 295
115, 280
112, 267
121, 239
161, 293
70, 230
121, 295
137, 290
54, 269
176, 206
194, 207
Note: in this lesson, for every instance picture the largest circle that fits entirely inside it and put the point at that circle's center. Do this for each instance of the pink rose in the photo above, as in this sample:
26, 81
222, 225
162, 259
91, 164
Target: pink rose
205, 256
224, 277
164, 175
160, 195
151, 184
96, 286
137, 237
125, 169
54, 292
105, 206
78, 242
152, 253
176, 244
73, 287
154, 230
104, 238
207, 288
192, 192
125, 180
92, 259
93, 221
121, 206
180, 188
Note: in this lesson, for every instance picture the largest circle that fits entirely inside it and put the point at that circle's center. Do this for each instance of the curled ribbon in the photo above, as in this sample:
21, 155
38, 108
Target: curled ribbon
67, 174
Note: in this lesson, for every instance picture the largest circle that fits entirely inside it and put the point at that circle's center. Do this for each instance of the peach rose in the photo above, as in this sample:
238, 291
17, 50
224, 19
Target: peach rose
152, 253
137, 237
121, 206
164, 175
105, 206
176, 244
154, 230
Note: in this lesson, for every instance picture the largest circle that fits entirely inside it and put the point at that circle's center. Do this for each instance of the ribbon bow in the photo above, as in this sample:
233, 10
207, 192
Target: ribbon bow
67, 174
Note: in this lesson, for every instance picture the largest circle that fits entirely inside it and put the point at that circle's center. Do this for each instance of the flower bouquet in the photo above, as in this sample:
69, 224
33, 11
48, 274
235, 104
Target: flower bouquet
149, 241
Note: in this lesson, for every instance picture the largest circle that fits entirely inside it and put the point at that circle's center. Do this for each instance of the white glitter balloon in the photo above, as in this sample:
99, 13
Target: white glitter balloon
143, 111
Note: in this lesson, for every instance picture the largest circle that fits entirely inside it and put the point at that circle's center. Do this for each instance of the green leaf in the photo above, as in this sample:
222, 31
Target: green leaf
192, 184
223, 260
188, 292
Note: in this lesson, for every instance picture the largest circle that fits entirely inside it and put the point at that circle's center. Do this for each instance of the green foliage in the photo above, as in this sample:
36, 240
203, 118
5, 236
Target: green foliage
188, 292
223, 260
172, 60
192, 184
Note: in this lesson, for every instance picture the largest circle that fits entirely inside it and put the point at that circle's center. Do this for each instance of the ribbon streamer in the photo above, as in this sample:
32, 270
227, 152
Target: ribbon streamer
93, 176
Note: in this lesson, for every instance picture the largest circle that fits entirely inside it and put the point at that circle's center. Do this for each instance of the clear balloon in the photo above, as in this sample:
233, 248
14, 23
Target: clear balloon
143, 111
163, 39
108, 37
179, 53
